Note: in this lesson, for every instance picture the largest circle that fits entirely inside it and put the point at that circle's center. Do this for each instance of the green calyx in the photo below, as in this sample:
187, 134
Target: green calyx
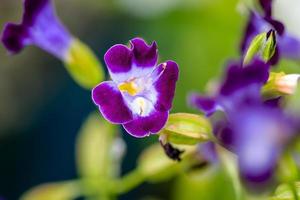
187, 129
83, 66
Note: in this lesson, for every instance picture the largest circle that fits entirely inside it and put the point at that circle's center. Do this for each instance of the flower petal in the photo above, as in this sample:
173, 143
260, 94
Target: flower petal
267, 6
118, 59
205, 104
238, 77
255, 25
13, 37
144, 126
32, 9
260, 133
289, 46
144, 55
39, 27
167, 76
111, 103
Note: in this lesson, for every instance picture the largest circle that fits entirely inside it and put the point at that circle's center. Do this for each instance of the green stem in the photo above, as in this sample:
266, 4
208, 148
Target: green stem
294, 190
109, 189
128, 182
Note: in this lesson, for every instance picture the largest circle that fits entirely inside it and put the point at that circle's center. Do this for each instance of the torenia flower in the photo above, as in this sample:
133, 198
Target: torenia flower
141, 92
41, 27
255, 129
287, 45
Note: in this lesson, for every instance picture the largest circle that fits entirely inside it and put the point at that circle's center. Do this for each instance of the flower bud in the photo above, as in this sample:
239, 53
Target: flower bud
263, 46
281, 83
187, 129
287, 84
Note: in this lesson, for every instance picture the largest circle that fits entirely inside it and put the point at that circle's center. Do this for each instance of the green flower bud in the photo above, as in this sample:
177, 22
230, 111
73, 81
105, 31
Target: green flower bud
186, 129
263, 46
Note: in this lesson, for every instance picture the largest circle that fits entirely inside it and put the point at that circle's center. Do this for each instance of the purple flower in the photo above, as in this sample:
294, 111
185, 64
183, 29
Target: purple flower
141, 92
287, 45
240, 84
256, 130
39, 27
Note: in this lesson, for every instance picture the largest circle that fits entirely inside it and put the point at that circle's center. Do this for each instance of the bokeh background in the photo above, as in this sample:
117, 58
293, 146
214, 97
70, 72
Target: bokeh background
42, 109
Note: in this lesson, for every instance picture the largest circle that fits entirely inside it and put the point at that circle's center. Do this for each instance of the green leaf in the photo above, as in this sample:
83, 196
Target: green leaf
83, 65
187, 129
99, 152
53, 191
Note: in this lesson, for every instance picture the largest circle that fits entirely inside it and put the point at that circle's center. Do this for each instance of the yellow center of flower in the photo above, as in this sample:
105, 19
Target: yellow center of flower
130, 87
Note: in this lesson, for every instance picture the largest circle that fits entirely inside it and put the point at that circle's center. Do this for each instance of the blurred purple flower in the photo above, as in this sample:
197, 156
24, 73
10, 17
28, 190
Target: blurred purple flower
39, 27
141, 92
254, 129
287, 45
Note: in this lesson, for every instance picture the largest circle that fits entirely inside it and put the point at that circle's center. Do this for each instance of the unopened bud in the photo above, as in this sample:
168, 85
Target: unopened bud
287, 84
263, 46
187, 129
281, 83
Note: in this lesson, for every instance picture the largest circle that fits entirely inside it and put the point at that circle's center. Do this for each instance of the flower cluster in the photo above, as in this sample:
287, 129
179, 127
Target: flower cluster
255, 122
255, 126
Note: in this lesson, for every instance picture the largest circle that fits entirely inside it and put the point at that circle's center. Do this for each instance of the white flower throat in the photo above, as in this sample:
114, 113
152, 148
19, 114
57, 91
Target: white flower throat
141, 92
137, 88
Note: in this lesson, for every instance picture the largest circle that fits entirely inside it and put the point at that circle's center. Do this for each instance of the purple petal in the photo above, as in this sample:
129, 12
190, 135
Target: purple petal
118, 59
124, 63
278, 26
238, 77
260, 132
144, 55
144, 126
209, 152
13, 37
275, 58
273, 103
223, 132
32, 9
267, 6
111, 103
258, 154
39, 27
205, 104
255, 25
289, 46
165, 85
